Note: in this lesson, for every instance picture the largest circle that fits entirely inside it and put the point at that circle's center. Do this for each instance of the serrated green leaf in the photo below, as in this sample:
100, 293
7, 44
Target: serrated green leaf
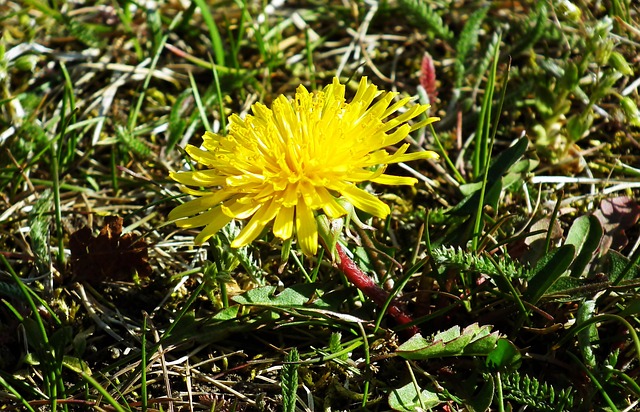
482, 345
473, 340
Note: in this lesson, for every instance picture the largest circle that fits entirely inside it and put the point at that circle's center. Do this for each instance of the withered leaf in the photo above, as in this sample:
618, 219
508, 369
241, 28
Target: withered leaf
109, 256
616, 216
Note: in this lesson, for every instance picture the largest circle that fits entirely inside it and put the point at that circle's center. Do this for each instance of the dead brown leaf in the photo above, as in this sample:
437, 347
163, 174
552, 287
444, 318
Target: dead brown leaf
109, 256
616, 216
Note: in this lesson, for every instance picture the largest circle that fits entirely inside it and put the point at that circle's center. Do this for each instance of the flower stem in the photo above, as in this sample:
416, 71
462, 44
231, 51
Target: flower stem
373, 291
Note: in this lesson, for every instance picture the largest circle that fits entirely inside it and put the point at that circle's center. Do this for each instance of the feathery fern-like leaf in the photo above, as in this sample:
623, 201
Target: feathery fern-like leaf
483, 65
540, 25
39, 220
133, 143
289, 381
467, 261
423, 15
467, 41
539, 396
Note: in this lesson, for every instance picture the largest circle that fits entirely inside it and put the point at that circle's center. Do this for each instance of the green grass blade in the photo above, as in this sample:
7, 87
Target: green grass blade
91, 381
482, 152
17, 394
214, 34
143, 364
199, 104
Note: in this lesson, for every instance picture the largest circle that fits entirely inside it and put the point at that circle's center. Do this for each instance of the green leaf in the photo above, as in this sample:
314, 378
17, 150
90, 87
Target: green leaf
473, 340
304, 296
296, 296
426, 18
481, 345
468, 38
39, 221
407, 399
289, 381
585, 234
34, 335
578, 126
535, 32
77, 365
570, 77
631, 308
620, 268
132, 143
467, 41
568, 288
547, 271
482, 400
588, 336
60, 339
503, 356
227, 314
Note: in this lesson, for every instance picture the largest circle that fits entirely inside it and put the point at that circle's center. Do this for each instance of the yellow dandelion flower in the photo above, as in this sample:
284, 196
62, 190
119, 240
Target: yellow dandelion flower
283, 164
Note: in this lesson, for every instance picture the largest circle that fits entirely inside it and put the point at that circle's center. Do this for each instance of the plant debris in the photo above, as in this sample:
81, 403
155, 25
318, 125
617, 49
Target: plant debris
110, 255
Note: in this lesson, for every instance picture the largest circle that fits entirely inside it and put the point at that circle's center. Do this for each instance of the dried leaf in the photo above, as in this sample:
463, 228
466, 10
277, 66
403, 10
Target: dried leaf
543, 224
109, 256
616, 216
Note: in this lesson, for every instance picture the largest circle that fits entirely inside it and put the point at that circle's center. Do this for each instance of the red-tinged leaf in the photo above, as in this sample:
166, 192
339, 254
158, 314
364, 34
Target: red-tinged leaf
109, 256
428, 77
616, 216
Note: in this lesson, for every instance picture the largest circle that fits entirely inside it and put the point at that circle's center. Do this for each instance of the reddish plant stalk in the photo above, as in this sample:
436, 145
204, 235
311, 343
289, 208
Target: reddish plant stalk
373, 291
428, 77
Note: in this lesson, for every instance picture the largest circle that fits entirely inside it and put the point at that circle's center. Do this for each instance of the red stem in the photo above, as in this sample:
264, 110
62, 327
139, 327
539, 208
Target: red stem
373, 291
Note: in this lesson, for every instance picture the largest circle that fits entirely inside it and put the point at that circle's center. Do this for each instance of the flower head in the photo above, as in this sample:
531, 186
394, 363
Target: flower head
284, 164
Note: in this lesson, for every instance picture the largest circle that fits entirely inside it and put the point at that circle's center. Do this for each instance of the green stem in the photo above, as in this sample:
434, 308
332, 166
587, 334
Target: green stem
500, 395
107, 396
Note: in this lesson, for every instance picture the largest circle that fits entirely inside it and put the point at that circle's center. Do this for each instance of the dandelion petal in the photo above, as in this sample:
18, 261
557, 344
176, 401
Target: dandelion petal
307, 229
